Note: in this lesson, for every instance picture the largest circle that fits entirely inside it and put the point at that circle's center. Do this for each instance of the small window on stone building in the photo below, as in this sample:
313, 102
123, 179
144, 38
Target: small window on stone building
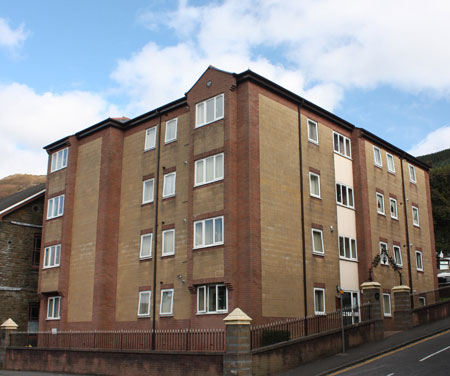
36, 250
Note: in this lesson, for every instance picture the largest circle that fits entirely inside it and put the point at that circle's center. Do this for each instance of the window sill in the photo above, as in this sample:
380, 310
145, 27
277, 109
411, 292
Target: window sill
53, 218
143, 316
165, 315
320, 313
50, 267
348, 259
318, 254
420, 271
388, 315
205, 124
208, 247
313, 142
394, 218
391, 172
171, 255
170, 142
147, 203
316, 197
143, 259
382, 214
379, 166
345, 206
150, 149
342, 155
211, 313
168, 198
413, 182
59, 169
53, 319
417, 226
208, 184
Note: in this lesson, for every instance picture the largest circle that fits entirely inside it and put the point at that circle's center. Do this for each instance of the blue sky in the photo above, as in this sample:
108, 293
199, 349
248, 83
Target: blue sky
64, 66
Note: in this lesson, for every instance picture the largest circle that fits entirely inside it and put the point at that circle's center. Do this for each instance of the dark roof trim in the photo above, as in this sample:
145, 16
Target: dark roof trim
281, 91
386, 145
57, 145
155, 113
19, 199
99, 126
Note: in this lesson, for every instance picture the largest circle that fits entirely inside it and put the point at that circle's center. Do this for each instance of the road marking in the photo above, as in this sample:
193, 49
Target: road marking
388, 353
437, 352
391, 374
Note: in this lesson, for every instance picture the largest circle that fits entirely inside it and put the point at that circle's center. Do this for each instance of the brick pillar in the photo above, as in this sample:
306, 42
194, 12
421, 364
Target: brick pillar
402, 307
5, 329
371, 293
238, 358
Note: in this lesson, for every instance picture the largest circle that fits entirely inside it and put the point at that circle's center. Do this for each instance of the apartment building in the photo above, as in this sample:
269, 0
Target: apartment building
239, 194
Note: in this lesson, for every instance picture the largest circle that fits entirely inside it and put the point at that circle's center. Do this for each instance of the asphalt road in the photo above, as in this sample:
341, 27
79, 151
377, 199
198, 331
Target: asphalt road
430, 356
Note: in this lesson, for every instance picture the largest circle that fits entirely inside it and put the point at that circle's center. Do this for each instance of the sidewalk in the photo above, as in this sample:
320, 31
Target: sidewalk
359, 354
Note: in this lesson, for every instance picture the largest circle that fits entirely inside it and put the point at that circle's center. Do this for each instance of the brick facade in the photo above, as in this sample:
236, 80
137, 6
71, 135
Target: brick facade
18, 275
266, 261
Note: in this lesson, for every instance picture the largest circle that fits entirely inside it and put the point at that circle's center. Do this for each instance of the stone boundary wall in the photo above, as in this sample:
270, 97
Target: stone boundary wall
430, 313
114, 363
285, 356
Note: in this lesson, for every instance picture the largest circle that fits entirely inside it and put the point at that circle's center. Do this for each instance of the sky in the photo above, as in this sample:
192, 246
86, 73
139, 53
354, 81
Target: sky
65, 65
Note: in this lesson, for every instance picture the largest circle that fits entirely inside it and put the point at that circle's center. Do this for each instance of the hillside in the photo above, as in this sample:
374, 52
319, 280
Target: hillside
439, 159
440, 196
18, 182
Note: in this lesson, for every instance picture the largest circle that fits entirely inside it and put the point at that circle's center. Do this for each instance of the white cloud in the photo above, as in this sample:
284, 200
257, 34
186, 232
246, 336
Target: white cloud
29, 120
435, 141
11, 38
348, 44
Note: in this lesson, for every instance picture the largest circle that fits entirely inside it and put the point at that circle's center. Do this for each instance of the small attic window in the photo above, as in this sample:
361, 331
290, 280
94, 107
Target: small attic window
209, 83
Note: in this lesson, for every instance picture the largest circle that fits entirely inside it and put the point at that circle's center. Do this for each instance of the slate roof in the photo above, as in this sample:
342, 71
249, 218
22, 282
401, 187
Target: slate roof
16, 199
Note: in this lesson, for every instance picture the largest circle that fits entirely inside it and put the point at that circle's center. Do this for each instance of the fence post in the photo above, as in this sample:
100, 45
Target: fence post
402, 307
371, 293
6, 329
238, 358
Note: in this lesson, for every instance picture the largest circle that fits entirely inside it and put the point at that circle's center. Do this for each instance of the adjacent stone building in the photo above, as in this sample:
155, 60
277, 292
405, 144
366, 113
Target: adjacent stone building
20, 243
239, 194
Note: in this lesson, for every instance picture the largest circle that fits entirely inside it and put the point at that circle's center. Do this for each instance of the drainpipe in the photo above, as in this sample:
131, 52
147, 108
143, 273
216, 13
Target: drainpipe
305, 300
155, 229
407, 232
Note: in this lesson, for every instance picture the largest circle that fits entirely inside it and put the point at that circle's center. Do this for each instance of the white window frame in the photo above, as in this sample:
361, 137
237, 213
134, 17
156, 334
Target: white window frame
203, 162
164, 233
163, 292
59, 159
170, 194
141, 294
415, 209
387, 312
353, 251
55, 314
384, 261
55, 204
397, 262
144, 185
377, 157
312, 174
422, 301
143, 236
412, 174
315, 251
340, 188
347, 152
316, 312
383, 209
215, 242
150, 138
171, 123
390, 168
419, 260
316, 126
206, 310
199, 124
49, 261
393, 200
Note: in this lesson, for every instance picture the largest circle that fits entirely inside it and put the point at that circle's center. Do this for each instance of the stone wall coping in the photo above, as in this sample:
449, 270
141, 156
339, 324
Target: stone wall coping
237, 317
402, 288
370, 285
9, 325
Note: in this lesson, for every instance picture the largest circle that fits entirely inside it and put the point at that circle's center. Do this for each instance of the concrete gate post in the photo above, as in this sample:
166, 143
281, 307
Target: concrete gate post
402, 307
238, 358
5, 329
371, 293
